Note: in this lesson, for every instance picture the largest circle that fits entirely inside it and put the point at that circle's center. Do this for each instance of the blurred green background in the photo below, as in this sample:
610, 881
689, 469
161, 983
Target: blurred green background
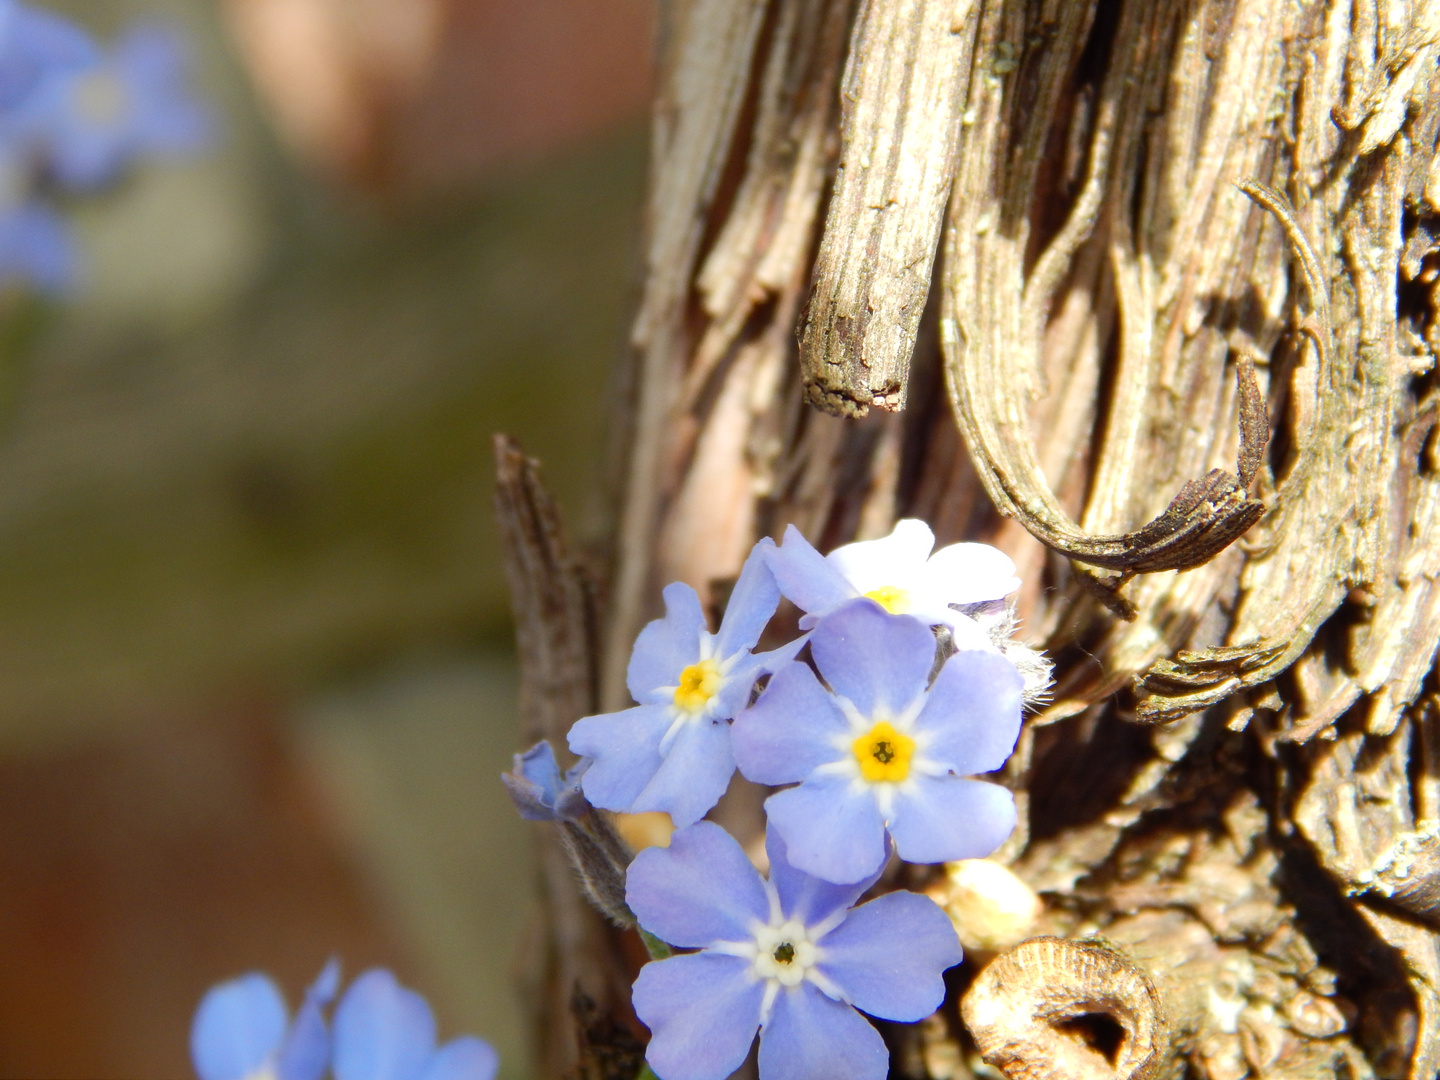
255, 673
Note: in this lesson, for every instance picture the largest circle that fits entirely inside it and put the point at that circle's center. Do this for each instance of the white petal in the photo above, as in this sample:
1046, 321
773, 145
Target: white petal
897, 560
970, 574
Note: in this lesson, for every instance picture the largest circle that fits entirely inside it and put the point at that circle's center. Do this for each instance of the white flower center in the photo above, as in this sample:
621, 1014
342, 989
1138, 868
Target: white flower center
101, 98
784, 953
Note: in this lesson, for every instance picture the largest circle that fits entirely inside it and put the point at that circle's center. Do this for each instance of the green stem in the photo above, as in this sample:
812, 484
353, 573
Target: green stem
658, 950
646, 1073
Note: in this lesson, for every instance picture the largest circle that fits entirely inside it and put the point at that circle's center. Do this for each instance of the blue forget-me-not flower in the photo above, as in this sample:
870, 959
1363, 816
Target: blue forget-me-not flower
788, 957
672, 752
382, 1031
385, 1032
880, 749
34, 45
136, 101
75, 116
899, 573
241, 1030
35, 245
540, 791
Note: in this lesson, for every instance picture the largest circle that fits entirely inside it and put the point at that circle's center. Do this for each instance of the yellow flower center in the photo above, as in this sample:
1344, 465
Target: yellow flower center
698, 684
884, 754
895, 601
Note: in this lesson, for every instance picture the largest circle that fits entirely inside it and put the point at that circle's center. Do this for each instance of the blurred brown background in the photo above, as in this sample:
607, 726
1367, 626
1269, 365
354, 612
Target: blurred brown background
255, 682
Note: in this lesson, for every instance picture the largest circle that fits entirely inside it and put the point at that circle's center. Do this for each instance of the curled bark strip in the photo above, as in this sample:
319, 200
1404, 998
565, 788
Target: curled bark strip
1205, 517
902, 99
1052, 1009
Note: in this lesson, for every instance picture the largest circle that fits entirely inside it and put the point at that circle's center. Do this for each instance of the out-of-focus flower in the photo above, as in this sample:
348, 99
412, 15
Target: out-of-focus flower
899, 573
787, 956
241, 1030
671, 752
93, 121
385, 1032
75, 116
540, 791
35, 247
34, 45
879, 750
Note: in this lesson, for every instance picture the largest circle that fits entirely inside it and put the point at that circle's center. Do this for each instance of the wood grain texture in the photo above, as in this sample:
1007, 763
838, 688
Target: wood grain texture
1113, 320
900, 123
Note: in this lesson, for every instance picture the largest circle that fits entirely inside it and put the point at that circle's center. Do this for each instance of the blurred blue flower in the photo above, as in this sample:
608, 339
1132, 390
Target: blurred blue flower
34, 45
240, 1031
35, 246
539, 790
787, 956
385, 1032
878, 750
77, 116
899, 573
92, 121
672, 751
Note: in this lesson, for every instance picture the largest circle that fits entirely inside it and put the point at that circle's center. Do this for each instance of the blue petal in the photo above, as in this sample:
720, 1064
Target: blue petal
702, 1010
804, 577
666, 646
752, 602
972, 714
570, 802
465, 1058
626, 749
812, 1037
534, 782
35, 43
36, 245
382, 1030
154, 57
306, 1052
873, 658
699, 890
945, 819
237, 1028
804, 897
830, 830
790, 731
887, 957
694, 774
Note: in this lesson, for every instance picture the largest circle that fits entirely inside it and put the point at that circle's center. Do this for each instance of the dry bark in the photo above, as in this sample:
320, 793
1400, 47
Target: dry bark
1236, 783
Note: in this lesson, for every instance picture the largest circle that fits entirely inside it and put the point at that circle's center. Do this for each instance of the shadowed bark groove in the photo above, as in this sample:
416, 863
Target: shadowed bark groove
1238, 787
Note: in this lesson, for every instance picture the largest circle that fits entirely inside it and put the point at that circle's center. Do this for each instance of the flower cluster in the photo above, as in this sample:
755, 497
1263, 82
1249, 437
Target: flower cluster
73, 117
910, 689
381, 1031
879, 746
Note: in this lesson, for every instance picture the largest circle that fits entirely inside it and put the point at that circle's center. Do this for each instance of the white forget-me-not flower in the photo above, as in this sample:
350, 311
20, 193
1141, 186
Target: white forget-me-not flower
241, 1030
899, 573
672, 752
788, 957
880, 750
